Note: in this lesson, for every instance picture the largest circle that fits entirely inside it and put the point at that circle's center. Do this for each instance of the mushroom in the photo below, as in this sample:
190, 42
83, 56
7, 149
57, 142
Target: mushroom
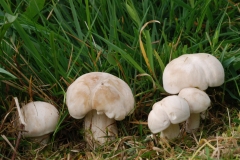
200, 70
198, 102
102, 98
40, 119
166, 114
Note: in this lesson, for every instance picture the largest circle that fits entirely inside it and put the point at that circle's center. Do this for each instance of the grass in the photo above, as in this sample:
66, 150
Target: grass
46, 45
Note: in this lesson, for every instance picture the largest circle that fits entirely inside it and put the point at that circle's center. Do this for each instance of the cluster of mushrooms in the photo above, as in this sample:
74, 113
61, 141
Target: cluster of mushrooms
104, 99
188, 76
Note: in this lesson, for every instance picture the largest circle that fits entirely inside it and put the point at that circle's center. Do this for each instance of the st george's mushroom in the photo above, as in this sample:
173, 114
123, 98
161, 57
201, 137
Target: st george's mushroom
199, 70
166, 115
198, 102
101, 98
39, 119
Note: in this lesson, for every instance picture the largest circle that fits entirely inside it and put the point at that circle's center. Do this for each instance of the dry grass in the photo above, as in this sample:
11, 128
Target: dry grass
217, 138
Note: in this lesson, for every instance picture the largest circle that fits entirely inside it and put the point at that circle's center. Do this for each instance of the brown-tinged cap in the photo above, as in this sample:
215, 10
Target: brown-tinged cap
105, 93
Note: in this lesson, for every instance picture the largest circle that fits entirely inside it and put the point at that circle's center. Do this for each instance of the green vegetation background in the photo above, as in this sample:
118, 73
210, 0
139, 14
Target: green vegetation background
46, 45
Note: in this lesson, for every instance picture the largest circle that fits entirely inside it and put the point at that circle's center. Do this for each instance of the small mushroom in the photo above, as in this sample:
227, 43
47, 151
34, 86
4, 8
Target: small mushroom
198, 102
166, 114
101, 98
200, 70
40, 119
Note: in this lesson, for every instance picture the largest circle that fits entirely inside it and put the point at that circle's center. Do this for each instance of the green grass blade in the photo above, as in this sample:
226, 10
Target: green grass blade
75, 18
33, 9
7, 73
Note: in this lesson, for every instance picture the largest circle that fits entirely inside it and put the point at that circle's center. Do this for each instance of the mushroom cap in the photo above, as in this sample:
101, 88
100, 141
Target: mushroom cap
176, 108
198, 100
100, 91
171, 109
158, 119
200, 70
41, 118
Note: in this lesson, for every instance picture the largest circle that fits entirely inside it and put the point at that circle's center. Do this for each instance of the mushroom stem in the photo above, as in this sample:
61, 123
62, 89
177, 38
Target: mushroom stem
171, 132
99, 128
193, 122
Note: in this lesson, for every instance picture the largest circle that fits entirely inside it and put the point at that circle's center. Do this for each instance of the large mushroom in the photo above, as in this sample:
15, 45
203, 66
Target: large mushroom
101, 98
40, 119
198, 102
199, 70
166, 114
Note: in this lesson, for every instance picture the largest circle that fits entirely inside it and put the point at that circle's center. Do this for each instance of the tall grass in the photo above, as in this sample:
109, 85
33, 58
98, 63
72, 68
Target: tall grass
46, 45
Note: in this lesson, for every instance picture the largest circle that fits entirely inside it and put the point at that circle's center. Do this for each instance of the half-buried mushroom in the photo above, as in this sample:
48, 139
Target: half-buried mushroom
40, 119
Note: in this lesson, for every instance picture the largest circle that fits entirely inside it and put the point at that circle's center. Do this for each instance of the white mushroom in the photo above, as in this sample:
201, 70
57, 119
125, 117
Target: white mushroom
198, 102
40, 119
102, 98
166, 114
200, 70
